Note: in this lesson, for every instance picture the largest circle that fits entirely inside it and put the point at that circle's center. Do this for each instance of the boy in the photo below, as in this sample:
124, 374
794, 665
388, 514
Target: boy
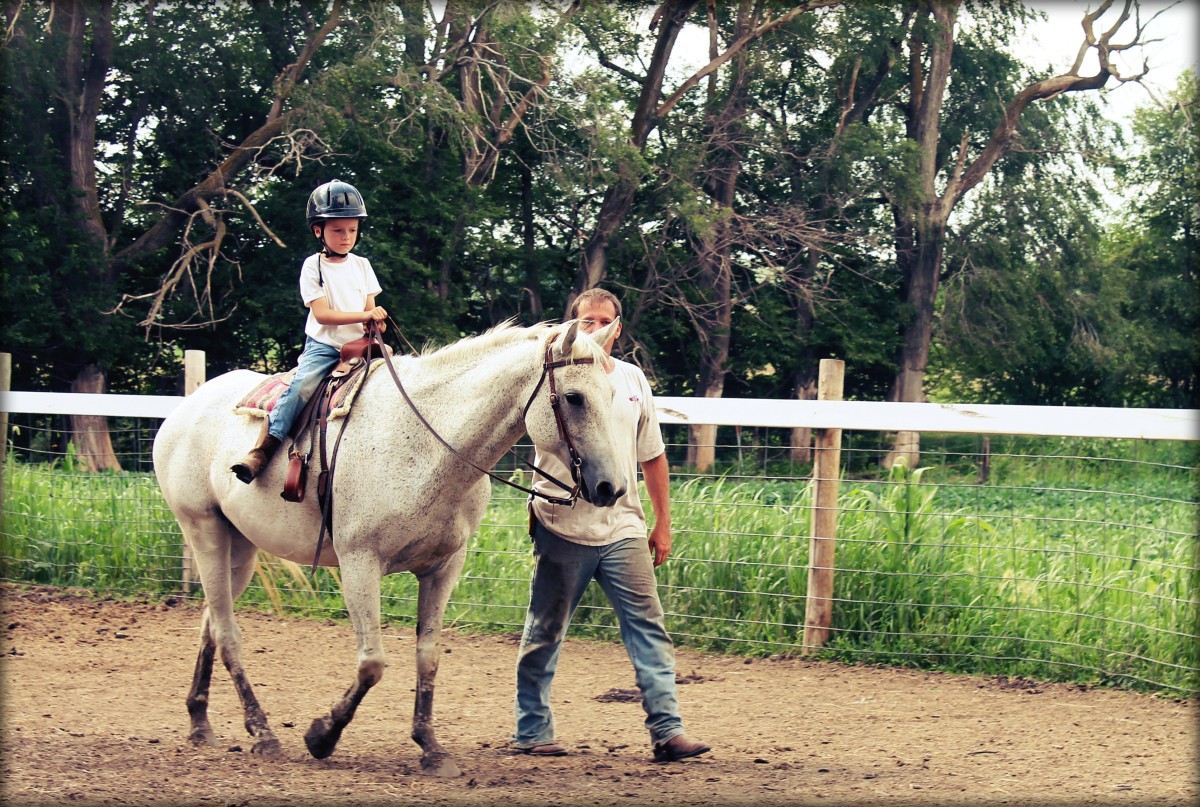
339, 290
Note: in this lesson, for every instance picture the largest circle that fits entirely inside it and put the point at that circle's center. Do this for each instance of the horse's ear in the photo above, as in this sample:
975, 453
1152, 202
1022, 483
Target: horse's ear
604, 335
568, 341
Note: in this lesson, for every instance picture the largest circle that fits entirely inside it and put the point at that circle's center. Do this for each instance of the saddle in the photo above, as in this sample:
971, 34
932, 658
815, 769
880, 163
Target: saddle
336, 391
332, 399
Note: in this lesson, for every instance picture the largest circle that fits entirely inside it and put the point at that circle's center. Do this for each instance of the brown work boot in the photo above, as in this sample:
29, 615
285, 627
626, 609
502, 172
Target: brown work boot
679, 747
253, 463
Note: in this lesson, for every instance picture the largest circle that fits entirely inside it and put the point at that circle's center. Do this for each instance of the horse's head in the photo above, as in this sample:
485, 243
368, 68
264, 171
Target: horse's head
584, 413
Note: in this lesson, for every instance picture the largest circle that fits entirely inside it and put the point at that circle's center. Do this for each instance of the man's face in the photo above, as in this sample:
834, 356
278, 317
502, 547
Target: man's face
596, 314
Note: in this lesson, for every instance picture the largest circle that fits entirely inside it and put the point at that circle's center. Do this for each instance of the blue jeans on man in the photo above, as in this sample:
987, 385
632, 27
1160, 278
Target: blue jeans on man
625, 572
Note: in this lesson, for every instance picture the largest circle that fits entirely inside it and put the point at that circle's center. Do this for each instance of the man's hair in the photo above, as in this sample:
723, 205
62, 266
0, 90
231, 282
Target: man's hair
594, 296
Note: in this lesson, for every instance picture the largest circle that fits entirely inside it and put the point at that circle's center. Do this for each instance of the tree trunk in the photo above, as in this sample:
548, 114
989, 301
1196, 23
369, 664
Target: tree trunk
920, 290
618, 199
804, 388
921, 218
714, 320
714, 356
86, 30
89, 433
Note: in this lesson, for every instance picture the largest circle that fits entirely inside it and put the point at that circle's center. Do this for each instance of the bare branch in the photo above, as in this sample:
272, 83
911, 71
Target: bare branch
734, 48
1003, 135
605, 61
164, 230
258, 218
287, 80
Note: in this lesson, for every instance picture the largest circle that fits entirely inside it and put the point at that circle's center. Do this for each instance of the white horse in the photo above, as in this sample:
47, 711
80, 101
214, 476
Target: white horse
402, 501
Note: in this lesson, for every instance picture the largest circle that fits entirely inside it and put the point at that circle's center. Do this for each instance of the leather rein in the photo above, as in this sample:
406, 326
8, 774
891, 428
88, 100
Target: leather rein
548, 367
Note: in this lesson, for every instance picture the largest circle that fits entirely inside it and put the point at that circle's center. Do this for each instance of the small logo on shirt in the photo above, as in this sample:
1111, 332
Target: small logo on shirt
635, 398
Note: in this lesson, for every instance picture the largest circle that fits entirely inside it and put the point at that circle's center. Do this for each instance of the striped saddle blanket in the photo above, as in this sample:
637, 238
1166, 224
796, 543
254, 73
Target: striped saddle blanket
262, 399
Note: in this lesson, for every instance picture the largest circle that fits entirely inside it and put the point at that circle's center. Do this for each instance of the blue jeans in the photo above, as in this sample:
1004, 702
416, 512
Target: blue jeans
316, 361
562, 571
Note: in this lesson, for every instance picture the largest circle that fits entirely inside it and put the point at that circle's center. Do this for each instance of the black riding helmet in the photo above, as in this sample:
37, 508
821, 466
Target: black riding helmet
334, 200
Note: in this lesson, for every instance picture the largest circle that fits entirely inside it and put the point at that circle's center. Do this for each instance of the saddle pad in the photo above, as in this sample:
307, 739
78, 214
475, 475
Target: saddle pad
262, 399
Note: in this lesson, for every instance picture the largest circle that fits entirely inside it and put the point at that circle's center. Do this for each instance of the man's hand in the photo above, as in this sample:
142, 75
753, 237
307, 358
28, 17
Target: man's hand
660, 542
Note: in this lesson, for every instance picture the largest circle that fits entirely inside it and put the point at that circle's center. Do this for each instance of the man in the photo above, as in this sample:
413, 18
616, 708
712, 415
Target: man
574, 545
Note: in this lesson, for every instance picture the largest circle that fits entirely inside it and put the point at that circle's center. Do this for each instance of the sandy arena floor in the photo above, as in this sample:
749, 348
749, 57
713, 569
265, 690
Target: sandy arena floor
93, 713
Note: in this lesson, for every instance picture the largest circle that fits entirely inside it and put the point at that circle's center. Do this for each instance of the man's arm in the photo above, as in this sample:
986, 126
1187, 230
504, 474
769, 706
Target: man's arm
657, 473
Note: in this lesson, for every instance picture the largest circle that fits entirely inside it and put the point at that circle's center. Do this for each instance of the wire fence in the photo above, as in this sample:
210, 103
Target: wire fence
1071, 559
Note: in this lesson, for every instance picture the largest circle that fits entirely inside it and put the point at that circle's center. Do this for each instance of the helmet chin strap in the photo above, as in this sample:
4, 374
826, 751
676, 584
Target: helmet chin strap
329, 253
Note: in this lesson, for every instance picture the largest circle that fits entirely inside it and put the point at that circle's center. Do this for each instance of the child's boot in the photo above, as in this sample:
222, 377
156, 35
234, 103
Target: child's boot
259, 456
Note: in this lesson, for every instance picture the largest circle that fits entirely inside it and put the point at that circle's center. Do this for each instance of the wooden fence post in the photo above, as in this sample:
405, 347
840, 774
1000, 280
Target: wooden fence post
827, 462
5, 383
193, 376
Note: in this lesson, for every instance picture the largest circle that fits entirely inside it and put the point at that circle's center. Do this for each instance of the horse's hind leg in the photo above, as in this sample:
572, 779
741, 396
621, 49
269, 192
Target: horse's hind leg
361, 592
226, 563
433, 594
197, 699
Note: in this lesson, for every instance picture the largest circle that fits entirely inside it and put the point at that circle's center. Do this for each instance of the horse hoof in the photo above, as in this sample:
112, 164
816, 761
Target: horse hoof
322, 737
201, 737
440, 765
267, 748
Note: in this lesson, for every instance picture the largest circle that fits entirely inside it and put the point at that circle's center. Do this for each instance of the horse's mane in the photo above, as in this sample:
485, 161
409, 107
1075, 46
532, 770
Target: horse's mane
506, 333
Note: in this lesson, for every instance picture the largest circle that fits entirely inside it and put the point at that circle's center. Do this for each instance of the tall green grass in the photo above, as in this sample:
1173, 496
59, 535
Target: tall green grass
1065, 566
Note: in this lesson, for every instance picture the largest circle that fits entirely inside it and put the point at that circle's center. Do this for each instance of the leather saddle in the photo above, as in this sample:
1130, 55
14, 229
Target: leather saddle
355, 358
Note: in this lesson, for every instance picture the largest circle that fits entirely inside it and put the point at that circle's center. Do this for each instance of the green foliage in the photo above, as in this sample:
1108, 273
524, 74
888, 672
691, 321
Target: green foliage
1050, 303
1158, 250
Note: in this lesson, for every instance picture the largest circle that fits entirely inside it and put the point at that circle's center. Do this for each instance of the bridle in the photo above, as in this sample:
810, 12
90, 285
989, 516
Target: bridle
549, 365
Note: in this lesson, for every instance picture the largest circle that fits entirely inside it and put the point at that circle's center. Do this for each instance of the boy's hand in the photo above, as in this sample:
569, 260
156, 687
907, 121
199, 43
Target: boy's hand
379, 315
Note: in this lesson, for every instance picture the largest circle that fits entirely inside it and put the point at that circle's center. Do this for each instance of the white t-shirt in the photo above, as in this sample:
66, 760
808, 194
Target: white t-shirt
347, 286
638, 438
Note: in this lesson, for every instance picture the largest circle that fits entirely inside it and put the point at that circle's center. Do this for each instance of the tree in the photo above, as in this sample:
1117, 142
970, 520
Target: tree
1157, 250
652, 107
61, 59
948, 161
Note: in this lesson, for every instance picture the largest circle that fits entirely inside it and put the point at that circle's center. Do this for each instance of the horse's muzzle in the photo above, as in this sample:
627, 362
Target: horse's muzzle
603, 494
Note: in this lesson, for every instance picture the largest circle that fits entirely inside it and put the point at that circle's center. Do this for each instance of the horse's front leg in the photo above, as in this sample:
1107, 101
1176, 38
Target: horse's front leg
360, 591
432, 595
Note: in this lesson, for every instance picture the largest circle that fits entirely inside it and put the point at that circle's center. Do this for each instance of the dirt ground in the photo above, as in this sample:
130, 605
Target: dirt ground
93, 713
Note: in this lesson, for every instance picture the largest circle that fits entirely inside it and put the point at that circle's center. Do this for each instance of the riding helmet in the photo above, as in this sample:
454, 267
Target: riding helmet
335, 200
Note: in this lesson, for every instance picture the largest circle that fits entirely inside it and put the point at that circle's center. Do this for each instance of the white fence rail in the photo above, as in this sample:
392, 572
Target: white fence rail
1058, 421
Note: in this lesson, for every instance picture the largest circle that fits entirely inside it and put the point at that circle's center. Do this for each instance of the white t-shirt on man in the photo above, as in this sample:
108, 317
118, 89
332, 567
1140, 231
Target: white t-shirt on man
347, 286
638, 439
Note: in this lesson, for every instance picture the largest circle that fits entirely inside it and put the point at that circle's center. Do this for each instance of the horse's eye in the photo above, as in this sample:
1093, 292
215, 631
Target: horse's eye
574, 398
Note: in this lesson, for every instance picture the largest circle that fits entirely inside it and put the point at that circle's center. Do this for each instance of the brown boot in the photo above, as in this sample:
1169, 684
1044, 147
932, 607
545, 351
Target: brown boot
259, 456
679, 747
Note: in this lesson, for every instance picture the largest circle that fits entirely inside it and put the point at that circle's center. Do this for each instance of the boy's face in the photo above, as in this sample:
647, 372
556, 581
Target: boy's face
340, 234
